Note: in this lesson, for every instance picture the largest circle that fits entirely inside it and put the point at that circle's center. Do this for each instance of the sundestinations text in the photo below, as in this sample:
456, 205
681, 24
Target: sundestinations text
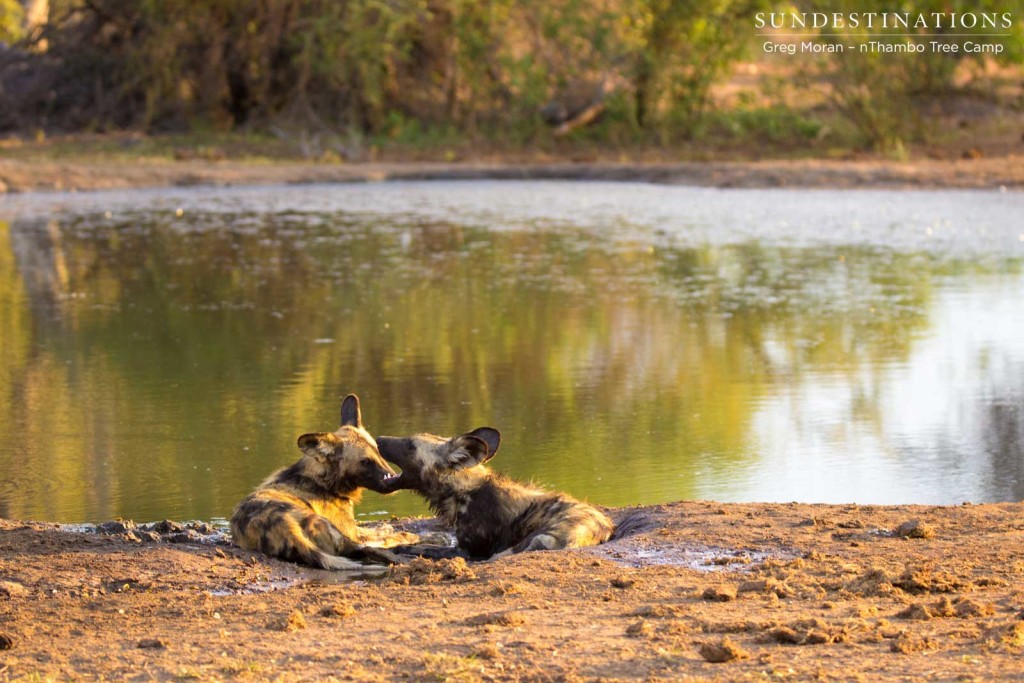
884, 20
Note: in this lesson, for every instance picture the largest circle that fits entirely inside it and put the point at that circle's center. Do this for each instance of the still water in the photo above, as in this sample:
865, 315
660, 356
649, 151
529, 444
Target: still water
160, 351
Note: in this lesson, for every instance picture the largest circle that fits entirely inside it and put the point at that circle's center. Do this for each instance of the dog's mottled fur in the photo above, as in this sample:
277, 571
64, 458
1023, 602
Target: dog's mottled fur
490, 513
304, 513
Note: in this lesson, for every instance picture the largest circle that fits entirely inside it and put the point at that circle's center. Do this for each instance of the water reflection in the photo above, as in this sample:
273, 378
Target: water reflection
159, 365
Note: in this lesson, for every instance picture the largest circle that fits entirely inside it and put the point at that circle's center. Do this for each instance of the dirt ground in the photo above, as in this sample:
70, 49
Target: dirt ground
694, 590
21, 175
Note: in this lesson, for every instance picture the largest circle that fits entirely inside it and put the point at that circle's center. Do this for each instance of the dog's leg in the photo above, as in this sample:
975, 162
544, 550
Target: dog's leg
304, 542
378, 555
431, 552
334, 543
379, 538
538, 541
337, 563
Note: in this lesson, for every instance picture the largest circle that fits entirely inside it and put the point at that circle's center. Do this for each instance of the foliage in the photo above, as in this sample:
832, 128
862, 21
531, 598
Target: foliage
770, 125
361, 65
686, 46
12, 18
884, 94
342, 77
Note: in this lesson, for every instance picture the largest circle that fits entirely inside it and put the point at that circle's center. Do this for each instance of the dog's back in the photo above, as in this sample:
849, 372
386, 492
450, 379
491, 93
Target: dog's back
491, 513
504, 515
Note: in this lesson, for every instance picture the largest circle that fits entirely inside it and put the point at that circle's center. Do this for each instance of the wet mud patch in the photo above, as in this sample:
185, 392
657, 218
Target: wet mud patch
214, 533
648, 537
640, 553
259, 586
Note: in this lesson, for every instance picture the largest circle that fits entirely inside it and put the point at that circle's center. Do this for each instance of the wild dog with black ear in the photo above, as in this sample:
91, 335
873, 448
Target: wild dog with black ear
490, 513
304, 513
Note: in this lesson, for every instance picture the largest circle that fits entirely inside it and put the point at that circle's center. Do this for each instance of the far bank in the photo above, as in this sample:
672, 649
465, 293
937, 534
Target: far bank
23, 175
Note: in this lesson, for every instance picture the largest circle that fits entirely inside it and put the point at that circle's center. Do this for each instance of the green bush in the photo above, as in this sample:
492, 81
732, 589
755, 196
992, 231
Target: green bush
884, 94
12, 20
337, 65
421, 72
685, 47
774, 125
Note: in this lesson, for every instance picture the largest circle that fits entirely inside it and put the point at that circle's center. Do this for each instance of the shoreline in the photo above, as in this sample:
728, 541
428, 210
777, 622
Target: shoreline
717, 591
18, 176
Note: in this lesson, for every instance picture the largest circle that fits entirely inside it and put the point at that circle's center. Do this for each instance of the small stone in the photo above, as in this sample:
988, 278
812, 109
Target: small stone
123, 585
784, 634
719, 593
337, 610
914, 529
658, 611
423, 571
815, 637
906, 644
966, 608
639, 629
187, 536
1011, 635
167, 527
509, 618
201, 528
851, 524
293, 622
623, 582
6, 642
916, 611
488, 651
151, 644
768, 585
10, 589
724, 651
943, 608
117, 526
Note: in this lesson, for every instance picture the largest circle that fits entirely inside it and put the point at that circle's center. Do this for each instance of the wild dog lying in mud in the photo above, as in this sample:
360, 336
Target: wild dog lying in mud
303, 513
492, 515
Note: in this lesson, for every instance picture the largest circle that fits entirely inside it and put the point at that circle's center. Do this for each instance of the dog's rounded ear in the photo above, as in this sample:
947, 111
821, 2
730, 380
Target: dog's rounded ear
467, 451
310, 444
350, 415
490, 436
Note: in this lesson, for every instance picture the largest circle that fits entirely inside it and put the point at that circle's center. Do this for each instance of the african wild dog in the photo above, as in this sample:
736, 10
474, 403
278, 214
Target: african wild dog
491, 514
303, 513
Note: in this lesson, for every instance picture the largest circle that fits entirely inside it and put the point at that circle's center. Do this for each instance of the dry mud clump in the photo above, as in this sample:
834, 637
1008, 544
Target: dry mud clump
695, 589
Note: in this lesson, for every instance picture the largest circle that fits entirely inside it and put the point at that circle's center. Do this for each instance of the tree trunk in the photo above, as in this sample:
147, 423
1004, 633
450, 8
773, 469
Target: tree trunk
37, 14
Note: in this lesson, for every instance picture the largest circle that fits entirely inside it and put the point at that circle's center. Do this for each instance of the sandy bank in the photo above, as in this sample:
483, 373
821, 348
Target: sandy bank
788, 591
22, 176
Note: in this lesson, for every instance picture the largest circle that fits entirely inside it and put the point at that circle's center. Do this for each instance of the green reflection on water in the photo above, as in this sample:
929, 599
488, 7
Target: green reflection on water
156, 367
